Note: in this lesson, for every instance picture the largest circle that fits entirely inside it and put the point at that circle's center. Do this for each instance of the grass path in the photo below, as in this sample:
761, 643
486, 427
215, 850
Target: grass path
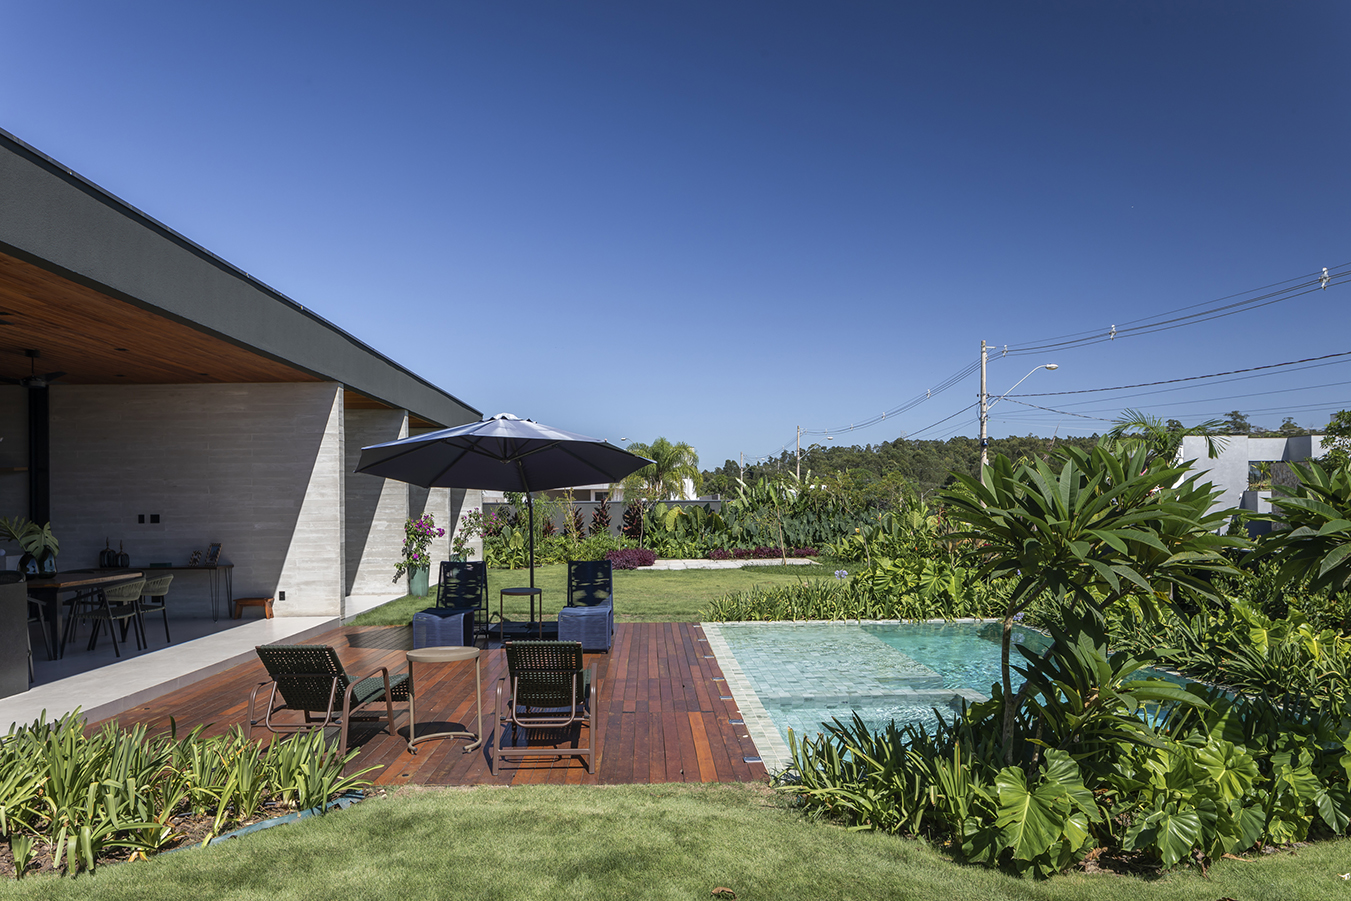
544, 843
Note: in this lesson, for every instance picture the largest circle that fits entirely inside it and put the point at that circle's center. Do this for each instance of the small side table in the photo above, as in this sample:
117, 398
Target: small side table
444, 655
532, 593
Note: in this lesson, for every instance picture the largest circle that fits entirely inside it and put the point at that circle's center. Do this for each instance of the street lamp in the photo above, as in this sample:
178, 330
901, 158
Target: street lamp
986, 404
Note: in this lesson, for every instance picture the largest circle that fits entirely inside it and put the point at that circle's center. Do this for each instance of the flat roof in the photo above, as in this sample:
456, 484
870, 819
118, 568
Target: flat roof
109, 295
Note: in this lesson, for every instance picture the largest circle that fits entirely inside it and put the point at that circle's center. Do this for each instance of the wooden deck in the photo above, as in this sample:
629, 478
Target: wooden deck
662, 716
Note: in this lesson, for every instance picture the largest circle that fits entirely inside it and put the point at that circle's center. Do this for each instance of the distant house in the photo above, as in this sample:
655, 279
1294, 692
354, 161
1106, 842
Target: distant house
194, 405
593, 493
1232, 471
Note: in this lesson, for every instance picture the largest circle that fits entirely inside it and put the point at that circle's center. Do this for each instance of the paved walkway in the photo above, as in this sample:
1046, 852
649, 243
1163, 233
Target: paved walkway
102, 685
725, 564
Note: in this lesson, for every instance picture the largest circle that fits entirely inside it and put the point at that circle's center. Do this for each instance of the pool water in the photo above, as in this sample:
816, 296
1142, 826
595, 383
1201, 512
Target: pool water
806, 674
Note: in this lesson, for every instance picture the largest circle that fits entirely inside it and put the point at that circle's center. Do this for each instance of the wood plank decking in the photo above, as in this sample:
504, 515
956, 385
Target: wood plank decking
662, 716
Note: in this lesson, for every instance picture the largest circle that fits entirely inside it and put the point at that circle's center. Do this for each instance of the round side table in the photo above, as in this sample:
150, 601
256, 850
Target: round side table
531, 593
444, 655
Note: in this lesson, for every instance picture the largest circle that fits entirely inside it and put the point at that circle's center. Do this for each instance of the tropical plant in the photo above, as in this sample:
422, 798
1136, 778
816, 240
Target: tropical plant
1162, 438
1315, 542
91, 795
633, 521
1106, 527
1337, 441
665, 476
34, 539
600, 518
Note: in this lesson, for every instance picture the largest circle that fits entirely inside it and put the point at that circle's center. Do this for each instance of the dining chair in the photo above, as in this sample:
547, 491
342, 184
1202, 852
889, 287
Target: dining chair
118, 604
153, 597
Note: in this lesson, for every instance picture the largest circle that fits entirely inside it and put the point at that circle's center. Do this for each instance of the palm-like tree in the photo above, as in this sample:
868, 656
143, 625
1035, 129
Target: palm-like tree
665, 476
1162, 438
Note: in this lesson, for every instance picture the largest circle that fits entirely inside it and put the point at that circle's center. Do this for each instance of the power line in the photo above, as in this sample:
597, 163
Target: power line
1177, 318
1064, 412
1337, 275
1190, 378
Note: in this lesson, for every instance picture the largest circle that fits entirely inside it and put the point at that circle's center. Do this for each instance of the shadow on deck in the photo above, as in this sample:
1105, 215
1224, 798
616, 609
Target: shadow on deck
664, 714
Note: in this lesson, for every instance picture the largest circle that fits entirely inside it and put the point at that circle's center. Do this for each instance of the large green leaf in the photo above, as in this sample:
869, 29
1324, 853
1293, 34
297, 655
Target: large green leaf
1029, 821
1170, 832
1334, 806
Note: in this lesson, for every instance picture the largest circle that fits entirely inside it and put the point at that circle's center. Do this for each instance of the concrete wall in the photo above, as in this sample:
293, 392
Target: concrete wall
1229, 471
375, 507
258, 468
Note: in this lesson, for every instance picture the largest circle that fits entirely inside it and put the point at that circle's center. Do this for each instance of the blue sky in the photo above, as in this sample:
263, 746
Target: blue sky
716, 222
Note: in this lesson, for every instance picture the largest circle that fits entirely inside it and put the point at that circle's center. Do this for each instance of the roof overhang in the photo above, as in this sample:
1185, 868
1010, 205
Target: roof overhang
110, 296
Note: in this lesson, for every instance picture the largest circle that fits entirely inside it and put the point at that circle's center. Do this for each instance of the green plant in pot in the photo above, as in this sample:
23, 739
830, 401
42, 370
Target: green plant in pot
417, 558
40, 546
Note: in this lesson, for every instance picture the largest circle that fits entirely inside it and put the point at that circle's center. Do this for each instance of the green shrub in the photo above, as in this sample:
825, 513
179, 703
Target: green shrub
86, 796
872, 594
1105, 759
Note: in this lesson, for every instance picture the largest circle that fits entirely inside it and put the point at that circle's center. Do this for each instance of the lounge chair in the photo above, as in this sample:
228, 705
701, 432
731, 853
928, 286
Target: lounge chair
589, 616
547, 690
311, 680
463, 586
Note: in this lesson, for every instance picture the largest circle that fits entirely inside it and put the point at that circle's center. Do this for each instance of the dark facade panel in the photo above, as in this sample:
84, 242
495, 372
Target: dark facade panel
55, 219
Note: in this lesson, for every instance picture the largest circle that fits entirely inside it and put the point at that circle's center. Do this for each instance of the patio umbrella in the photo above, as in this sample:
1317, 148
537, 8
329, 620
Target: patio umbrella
503, 453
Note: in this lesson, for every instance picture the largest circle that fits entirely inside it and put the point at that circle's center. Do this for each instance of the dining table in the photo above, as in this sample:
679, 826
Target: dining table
47, 590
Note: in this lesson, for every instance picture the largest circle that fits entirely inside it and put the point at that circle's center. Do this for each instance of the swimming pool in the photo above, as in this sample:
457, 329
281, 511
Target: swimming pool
800, 675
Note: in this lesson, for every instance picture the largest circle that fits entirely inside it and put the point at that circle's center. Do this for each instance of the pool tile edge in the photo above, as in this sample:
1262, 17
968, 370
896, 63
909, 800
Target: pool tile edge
773, 749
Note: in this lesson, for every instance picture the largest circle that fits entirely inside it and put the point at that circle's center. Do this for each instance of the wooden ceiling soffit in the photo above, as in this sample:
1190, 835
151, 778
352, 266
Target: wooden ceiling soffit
96, 339
354, 400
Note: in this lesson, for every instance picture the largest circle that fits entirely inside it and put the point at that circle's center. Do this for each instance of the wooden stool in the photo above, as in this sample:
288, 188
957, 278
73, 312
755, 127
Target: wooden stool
265, 603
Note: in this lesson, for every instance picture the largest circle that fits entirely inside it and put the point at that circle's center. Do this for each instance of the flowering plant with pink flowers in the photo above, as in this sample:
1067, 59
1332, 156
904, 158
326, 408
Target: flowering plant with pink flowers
417, 541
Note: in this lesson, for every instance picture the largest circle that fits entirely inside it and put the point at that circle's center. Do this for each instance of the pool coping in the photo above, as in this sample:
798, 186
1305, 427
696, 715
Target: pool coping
759, 724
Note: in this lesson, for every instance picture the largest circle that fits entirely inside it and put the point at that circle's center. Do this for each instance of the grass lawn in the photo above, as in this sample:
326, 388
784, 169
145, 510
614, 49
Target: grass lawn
543, 843
640, 595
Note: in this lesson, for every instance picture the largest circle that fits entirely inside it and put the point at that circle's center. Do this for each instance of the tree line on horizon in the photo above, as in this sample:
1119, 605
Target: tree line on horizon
885, 473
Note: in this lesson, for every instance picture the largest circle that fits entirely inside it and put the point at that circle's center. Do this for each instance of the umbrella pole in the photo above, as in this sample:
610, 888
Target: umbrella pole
530, 502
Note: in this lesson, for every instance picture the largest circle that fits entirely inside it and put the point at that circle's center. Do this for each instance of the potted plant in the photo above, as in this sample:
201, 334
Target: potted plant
417, 561
39, 545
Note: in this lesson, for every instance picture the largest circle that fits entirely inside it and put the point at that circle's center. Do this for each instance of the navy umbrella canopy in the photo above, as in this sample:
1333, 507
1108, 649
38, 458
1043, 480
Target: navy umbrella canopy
503, 453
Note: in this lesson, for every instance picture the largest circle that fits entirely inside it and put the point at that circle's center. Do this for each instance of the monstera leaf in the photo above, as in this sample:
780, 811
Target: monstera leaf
1042, 827
1232, 768
1171, 831
1334, 806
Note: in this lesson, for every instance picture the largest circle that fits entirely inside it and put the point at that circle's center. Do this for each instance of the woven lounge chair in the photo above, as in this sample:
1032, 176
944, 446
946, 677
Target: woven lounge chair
310, 679
547, 692
589, 616
463, 586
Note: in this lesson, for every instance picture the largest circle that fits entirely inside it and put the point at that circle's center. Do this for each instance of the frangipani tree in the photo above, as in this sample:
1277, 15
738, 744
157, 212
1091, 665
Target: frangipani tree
1316, 542
1107, 525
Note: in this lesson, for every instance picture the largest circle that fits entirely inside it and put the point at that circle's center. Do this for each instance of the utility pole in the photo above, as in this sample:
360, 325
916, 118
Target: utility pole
743, 466
799, 453
984, 411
